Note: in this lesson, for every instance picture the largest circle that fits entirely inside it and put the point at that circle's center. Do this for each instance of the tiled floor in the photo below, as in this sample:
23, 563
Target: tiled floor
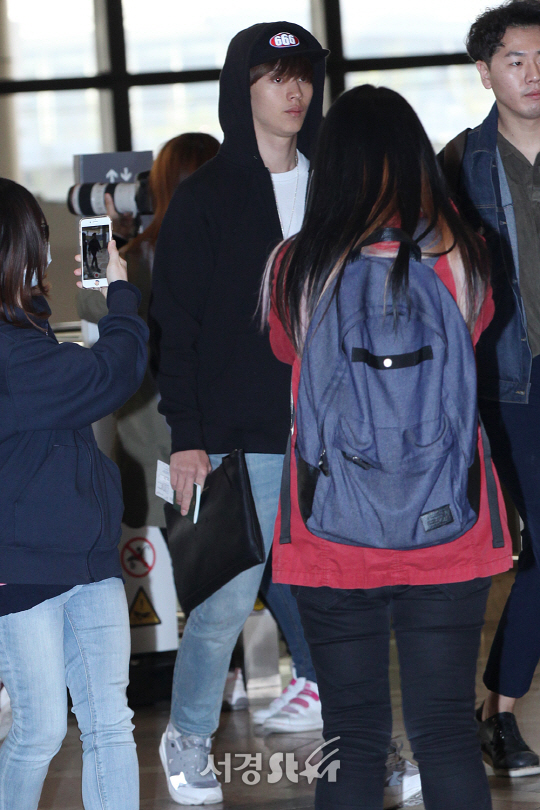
236, 736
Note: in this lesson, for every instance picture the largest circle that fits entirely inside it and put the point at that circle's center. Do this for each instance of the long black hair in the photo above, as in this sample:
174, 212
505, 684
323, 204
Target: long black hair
24, 236
373, 165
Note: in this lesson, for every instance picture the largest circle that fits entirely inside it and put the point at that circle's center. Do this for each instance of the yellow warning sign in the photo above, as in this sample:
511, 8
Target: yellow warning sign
141, 612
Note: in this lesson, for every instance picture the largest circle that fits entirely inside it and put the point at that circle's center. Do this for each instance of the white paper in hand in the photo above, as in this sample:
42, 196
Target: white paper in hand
163, 482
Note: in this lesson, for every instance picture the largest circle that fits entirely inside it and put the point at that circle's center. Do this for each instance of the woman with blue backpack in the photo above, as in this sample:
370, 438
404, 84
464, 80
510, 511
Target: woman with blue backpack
391, 513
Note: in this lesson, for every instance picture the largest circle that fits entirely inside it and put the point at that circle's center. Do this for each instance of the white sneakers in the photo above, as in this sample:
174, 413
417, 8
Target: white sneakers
295, 686
302, 712
234, 695
298, 708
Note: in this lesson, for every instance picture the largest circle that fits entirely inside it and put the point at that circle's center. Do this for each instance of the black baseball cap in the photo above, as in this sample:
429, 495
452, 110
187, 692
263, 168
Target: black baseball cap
288, 39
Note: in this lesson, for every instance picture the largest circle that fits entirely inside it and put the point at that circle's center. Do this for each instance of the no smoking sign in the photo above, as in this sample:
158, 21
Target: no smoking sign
138, 557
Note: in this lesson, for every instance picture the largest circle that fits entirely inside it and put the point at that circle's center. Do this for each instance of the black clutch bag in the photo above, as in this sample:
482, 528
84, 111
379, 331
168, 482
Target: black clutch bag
226, 539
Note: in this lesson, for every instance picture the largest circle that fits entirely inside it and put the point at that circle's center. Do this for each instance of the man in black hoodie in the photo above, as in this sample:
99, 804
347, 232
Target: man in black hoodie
221, 386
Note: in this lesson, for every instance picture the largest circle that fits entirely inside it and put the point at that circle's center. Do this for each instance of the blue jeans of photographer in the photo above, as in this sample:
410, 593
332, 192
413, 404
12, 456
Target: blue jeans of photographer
80, 638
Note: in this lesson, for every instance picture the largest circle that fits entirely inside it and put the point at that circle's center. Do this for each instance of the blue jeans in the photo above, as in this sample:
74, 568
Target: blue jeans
214, 626
284, 609
80, 638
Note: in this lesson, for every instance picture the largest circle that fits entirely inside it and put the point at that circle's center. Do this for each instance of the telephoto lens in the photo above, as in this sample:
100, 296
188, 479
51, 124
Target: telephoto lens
88, 199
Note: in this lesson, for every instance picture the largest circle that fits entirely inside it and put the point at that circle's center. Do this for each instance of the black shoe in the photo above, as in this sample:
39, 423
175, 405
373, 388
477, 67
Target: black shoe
503, 746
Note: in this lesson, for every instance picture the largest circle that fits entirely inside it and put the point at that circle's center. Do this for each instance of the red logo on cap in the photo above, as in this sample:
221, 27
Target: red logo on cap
284, 41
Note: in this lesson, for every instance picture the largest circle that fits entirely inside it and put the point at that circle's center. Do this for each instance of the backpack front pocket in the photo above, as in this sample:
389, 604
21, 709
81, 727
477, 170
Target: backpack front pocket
401, 491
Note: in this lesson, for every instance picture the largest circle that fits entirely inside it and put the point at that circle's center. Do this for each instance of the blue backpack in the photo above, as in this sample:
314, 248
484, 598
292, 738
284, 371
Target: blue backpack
387, 420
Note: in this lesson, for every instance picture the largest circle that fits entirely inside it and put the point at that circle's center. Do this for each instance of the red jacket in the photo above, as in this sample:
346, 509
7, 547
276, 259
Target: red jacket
310, 560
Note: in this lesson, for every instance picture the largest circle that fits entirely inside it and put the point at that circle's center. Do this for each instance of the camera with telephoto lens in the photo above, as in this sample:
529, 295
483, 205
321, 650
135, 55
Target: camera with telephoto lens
88, 199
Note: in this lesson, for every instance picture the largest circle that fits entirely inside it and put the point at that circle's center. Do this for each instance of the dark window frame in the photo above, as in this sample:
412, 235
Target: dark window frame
119, 81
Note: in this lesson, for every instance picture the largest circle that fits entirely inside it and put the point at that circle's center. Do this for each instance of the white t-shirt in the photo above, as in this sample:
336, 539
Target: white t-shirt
284, 189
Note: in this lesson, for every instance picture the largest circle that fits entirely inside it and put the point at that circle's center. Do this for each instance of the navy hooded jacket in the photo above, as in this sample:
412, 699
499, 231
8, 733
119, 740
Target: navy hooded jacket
60, 497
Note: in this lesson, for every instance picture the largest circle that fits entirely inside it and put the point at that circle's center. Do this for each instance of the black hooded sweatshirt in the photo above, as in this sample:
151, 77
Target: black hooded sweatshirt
221, 386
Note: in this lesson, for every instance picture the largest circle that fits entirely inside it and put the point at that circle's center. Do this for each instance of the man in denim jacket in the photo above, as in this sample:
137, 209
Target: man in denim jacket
498, 189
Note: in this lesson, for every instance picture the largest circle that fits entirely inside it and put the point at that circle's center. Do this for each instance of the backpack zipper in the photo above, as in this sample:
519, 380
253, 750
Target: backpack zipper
357, 460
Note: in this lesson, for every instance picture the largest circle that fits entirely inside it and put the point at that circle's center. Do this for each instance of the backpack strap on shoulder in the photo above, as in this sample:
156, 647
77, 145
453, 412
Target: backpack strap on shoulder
285, 498
285, 492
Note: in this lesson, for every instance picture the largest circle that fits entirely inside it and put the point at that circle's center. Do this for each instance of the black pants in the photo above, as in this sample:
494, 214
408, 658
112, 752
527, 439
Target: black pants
514, 434
437, 630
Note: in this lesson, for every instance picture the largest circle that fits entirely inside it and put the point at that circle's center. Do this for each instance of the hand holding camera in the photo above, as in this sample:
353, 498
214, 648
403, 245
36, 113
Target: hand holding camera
123, 225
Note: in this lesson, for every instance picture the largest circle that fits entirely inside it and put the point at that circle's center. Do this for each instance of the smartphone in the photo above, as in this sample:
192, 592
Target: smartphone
95, 233
194, 506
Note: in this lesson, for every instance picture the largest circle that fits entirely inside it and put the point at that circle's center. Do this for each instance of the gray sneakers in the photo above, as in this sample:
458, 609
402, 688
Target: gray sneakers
192, 782
402, 779
184, 758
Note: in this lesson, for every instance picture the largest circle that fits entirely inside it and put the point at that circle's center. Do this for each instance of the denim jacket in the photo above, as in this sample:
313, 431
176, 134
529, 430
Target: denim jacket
503, 353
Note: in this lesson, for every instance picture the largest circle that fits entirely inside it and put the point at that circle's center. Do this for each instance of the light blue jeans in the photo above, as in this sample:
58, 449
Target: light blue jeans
80, 638
214, 626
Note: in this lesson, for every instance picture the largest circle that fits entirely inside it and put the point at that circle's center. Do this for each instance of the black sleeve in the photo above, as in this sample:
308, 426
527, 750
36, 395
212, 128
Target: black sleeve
183, 268
66, 386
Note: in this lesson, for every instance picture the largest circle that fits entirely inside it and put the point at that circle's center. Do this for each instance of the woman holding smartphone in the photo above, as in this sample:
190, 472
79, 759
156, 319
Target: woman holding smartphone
374, 167
63, 612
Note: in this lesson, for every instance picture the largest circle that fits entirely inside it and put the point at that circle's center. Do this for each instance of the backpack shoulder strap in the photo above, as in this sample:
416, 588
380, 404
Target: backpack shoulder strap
390, 235
285, 498
451, 158
493, 497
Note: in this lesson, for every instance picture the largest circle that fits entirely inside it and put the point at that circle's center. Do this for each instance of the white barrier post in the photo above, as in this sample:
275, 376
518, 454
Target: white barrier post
151, 596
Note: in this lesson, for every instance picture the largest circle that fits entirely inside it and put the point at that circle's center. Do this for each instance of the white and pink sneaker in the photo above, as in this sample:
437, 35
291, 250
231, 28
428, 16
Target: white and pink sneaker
294, 687
301, 713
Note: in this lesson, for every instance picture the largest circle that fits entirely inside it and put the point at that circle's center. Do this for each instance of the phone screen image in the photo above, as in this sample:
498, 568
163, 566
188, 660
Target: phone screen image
95, 255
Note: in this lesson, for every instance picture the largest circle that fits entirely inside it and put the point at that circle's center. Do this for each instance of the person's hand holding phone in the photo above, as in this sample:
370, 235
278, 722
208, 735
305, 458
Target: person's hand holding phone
188, 467
116, 268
